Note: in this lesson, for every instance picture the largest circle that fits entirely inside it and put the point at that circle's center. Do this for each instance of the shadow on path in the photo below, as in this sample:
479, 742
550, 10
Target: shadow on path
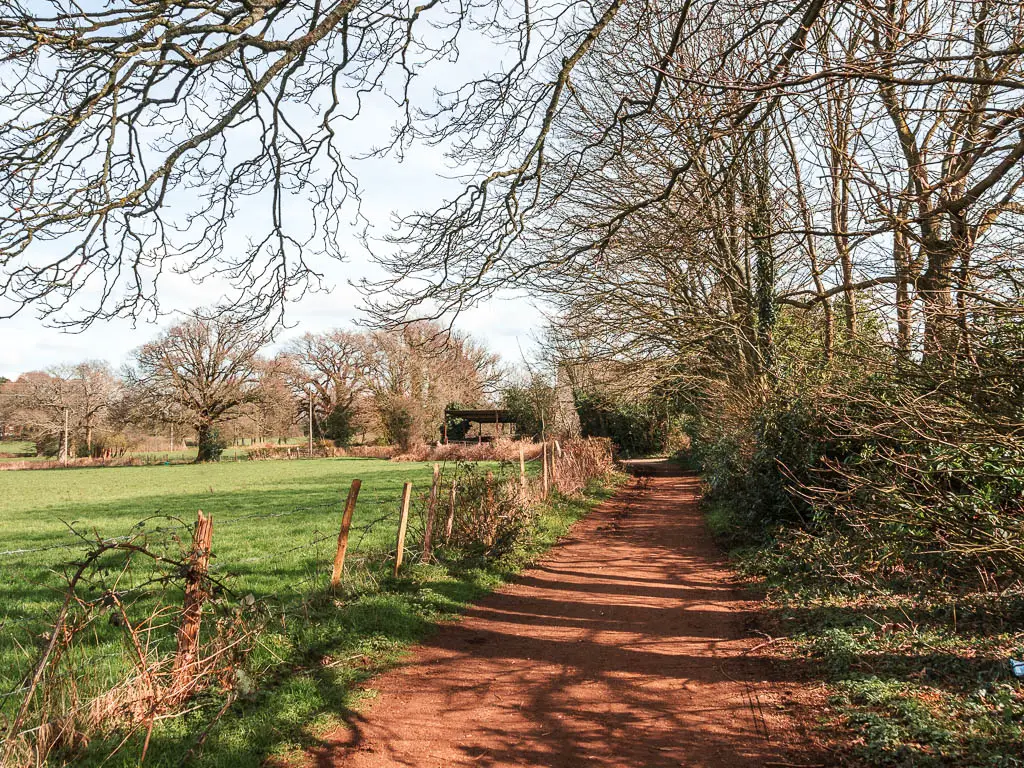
623, 647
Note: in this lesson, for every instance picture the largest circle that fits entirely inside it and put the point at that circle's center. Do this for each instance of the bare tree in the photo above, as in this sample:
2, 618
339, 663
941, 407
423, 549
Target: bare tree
76, 398
272, 410
206, 367
333, 364
111, 111
94, 390
415, 372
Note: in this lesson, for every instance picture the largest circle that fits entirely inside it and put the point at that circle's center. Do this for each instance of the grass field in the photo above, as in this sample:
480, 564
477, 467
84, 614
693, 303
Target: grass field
17, 447
266, 515
25, 450
274, 525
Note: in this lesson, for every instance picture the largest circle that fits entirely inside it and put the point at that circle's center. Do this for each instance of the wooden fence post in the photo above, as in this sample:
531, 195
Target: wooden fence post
450, 522
428, 527
184, 671
403, 523
555, 448
544, 468
522, 466
346, 523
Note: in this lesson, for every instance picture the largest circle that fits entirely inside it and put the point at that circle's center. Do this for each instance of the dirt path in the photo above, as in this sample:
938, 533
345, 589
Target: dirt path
624, 647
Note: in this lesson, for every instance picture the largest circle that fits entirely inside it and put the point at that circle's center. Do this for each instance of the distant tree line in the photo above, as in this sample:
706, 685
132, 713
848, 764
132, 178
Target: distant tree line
211, 380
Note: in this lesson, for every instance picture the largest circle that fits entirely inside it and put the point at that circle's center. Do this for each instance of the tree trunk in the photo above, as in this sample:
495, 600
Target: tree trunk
963, 238
840, 214
207, 452
935, 287
901, 262
759, 226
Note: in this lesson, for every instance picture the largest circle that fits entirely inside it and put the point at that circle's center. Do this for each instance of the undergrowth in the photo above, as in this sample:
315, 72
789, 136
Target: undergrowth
917, 671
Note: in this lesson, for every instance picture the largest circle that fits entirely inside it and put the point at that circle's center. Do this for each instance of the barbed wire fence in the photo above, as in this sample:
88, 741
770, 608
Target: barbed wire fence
149, 619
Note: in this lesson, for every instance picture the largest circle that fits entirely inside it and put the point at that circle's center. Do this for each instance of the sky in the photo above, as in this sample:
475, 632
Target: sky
506, 325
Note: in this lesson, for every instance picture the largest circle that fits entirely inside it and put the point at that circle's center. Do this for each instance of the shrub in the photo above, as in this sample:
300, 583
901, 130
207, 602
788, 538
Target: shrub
915, 474
581, 461
492, 514
49, 445
400, 424
502, 449
637, 428
339, 426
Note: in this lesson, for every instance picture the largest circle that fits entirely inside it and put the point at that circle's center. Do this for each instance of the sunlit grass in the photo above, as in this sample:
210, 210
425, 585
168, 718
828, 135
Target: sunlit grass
274, 525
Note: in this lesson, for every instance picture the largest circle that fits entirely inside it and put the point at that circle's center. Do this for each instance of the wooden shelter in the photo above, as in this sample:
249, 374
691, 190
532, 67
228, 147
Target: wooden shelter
479, 416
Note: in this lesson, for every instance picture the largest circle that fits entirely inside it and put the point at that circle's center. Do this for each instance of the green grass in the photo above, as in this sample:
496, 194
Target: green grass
267, 516
25, 450
256, 550
18, 448
918, 675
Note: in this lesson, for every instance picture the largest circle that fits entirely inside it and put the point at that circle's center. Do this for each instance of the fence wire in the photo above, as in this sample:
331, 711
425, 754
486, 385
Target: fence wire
109, 653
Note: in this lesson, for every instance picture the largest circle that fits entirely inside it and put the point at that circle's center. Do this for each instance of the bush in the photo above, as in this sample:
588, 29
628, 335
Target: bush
637, 428
502, 449
913, 475
492, 515
400, 424
929, 484
113, 445
751, 464
339, 427
522, 403
49, 445
581, 461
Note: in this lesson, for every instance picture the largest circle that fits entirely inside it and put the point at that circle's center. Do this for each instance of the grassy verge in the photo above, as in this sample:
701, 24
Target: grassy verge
917, 675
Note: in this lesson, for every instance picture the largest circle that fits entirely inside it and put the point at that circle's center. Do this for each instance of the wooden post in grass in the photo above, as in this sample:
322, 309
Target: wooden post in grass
346, 523
184, 671
450, 522
428, 527
403, 523
544, 468
522, 465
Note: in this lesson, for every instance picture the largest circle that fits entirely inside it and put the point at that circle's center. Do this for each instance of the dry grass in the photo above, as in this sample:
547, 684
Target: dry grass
577, 462
123, 461
321, 449
64, 708
502, 449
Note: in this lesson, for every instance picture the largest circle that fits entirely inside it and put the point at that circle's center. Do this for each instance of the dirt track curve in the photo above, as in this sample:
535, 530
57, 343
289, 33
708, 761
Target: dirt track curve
623, 647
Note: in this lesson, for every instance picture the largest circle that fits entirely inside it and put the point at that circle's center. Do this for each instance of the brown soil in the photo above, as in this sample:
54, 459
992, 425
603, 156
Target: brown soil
626, 646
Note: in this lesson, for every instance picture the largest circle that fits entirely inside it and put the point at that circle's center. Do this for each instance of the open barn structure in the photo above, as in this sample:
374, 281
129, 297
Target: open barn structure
503, 420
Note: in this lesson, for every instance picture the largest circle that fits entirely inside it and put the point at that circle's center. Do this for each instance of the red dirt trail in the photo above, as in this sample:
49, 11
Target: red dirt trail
624, 646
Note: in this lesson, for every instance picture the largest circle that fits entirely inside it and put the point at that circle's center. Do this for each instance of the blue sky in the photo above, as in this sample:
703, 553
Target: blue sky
422, 180
506, 325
